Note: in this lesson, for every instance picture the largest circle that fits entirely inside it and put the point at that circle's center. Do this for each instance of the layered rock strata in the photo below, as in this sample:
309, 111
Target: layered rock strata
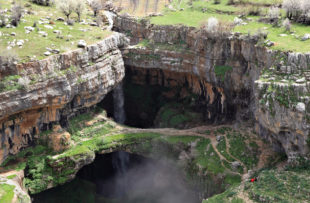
57, 88
266, 86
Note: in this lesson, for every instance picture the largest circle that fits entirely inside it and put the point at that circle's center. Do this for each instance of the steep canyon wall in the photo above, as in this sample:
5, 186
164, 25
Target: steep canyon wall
255, 83
60, 87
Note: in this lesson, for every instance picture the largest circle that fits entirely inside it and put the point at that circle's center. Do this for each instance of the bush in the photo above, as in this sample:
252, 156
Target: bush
7, 58
96, 6
287, 25
217, 1
17, 12
292, 7
79, 8
66, 7
212, 25
274, 12
254, 11
217, 28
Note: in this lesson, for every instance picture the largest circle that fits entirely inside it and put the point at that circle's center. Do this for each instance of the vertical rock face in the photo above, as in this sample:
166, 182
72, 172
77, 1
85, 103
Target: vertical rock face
268, 87
64, 85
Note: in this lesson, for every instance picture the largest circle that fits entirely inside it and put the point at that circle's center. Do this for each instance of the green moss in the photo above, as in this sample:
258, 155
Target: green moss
181, 139
6, 193
11, 176
220, 71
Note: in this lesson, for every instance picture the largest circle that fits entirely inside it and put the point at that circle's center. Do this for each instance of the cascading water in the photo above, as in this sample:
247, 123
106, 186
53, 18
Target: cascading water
118, 100
120, 160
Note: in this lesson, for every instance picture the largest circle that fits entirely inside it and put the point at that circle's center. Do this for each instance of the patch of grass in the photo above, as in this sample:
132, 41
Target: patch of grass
35, 45
221, 146
181, 139
281, 186
240, 150
11, 176
6, 193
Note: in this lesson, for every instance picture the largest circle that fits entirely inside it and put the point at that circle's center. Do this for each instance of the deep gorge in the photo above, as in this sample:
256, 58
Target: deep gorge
181, 79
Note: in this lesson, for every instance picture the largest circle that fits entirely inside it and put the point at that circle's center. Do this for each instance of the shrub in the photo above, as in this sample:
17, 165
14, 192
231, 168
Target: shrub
96, 6
24, 82
79, 8
66, 7
292, 7
17, 12
212, 25
217, 1
7, 58
287, 25
231, 2
254, 11
274, 12
217, 28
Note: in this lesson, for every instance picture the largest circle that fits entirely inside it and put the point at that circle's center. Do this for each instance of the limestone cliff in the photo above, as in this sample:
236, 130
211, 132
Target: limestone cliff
234, 68
57, 88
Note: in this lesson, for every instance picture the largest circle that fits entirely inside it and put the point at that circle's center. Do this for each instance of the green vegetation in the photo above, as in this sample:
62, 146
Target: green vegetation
281, 186
35, 44
241, 150
220, 71
181, 139
11, 176
200, 11
6, 193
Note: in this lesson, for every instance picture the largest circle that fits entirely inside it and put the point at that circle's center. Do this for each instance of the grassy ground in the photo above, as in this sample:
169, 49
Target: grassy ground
6, 193
194, 16
35, 44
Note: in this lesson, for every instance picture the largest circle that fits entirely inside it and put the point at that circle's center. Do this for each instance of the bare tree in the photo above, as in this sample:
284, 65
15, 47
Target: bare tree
96, 6
146, 6
17, 12
156, 5
79, 8
66, 7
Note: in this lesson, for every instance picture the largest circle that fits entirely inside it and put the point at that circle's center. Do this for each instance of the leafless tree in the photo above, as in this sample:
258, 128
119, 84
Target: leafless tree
66, 7
79, 8
17, 12
96, 6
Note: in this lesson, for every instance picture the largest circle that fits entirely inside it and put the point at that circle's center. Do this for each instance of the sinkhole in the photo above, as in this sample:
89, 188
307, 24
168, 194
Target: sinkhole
121, 177
154, 98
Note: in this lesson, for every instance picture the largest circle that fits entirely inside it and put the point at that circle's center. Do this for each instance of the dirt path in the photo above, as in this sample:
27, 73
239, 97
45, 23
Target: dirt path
245, 169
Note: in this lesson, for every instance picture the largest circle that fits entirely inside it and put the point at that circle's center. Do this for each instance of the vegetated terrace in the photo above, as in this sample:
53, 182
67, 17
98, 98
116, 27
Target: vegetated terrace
245, 16
48, 32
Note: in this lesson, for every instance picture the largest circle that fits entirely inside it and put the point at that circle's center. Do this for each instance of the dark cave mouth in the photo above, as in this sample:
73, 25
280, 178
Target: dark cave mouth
153, 101
121, 177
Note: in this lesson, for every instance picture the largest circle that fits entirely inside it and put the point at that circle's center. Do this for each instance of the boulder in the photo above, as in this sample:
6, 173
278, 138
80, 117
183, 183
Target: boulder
82, 44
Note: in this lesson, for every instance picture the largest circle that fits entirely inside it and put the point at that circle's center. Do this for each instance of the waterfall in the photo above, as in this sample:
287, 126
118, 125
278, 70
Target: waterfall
120, 162
118, 100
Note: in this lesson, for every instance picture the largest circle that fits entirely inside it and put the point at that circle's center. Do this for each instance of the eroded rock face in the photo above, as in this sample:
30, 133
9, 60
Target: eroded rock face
181, 49
66, 84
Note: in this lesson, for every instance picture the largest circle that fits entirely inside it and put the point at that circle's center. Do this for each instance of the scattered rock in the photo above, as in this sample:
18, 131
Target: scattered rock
283, 35
301, 107
82, 44
43, 34
93, 24
49, 27
13, 34
219, 138
235, 164
305, 37
269, 43
60, 19
301, 80
20, 43
47, 53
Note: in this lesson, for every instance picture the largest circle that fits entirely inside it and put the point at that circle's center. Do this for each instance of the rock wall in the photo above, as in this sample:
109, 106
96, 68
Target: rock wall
60, 86
236, 66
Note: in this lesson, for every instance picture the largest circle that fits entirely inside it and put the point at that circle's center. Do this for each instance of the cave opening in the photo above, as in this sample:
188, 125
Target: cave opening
120, 177
154, 98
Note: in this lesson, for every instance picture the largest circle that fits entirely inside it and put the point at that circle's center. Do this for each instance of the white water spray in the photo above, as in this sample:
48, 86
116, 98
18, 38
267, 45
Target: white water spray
118, 100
